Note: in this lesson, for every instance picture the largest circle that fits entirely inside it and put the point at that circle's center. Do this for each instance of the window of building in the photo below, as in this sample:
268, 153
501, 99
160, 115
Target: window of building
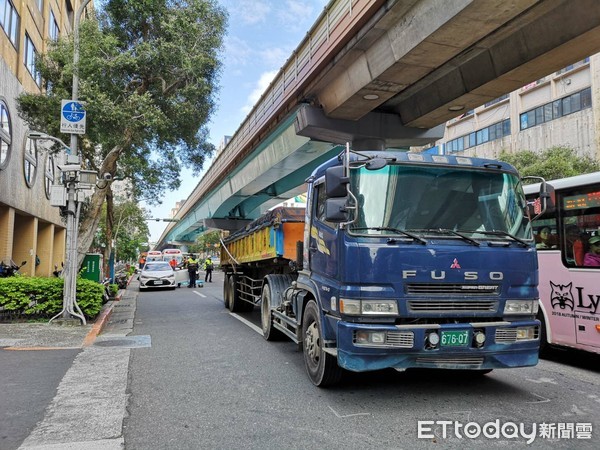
9, 21
29, 60
40, 5
497, 100
558, 108
5, 134
49, 174
493, 132
30, 161
53, 30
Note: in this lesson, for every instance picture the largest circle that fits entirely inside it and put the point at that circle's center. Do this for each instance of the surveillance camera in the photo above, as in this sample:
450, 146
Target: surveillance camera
107, 176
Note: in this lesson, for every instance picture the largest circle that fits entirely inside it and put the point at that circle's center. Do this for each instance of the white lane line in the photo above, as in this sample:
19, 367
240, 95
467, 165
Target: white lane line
198, 293
249, 324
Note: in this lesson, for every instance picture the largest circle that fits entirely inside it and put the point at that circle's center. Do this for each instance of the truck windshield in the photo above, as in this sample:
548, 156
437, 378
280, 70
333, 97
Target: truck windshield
426, 200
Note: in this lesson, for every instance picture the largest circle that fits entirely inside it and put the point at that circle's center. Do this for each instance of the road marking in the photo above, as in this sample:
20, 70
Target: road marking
346, 415
198, 293
542, 399
542, 380
246, 322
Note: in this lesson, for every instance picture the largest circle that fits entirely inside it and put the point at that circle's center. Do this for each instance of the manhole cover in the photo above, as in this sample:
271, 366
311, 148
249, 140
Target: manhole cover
126, 342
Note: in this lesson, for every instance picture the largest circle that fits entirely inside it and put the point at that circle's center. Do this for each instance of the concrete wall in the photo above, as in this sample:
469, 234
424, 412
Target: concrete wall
579, 131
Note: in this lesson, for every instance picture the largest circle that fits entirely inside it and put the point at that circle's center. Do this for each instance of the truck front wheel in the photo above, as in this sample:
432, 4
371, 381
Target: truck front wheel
322, 368
270, 333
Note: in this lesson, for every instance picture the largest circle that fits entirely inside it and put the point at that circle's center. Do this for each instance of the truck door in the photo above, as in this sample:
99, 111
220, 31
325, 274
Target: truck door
322, 247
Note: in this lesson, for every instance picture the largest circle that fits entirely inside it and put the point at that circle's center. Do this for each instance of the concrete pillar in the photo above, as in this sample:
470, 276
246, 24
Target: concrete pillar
7, 227
45, 235
25, 243
58, 250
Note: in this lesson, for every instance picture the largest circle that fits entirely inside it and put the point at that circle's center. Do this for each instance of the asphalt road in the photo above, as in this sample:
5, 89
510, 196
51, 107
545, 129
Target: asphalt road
209, 380
176, 370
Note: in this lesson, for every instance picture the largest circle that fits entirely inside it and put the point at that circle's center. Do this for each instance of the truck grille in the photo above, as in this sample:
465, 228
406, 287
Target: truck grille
400, 339
506, 335
452, 289
451, 306
451, 361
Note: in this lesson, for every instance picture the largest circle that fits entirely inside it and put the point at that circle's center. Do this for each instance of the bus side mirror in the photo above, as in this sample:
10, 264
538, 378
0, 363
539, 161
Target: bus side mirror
336, 183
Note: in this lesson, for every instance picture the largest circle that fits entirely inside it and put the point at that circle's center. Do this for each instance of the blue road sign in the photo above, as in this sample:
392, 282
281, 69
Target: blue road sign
72, 117
73, 111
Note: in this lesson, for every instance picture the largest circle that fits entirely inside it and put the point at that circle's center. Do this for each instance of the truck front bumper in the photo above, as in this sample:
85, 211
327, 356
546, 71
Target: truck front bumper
364, 347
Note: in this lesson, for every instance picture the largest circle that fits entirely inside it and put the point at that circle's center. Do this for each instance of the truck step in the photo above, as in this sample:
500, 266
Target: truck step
286, 325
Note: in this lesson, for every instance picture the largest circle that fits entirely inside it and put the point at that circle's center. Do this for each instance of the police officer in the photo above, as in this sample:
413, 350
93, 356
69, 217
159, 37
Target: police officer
208, 267
192, 267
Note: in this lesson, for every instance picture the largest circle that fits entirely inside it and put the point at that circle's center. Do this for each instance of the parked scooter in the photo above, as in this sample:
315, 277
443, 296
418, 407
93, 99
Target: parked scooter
10, 269
121, 279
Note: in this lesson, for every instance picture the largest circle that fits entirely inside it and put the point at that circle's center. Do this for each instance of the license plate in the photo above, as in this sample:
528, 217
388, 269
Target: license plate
157, 282
455, 338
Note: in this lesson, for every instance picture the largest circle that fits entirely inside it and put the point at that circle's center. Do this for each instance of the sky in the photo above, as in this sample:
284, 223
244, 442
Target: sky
260, 37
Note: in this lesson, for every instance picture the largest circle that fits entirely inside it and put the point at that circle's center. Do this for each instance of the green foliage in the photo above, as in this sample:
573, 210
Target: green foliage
43, 297
551, 164
130, 230
148, 74
206, 243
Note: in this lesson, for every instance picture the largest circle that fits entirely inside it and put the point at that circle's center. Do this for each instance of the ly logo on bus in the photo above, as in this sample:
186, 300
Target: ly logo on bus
562, 297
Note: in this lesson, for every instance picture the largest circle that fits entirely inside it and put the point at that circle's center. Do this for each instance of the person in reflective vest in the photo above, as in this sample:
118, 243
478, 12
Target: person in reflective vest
208, 267
192, 267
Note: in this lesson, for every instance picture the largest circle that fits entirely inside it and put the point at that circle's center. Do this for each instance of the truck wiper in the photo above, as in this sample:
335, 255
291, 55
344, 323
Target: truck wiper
394, 230
503, 234
455, 233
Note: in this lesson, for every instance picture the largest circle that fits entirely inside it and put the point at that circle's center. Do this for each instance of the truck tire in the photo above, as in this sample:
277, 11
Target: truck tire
236, 304
274, 287
322, 368
226, 291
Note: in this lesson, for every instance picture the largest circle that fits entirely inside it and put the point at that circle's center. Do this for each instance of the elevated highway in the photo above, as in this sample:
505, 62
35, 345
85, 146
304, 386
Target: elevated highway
381, 74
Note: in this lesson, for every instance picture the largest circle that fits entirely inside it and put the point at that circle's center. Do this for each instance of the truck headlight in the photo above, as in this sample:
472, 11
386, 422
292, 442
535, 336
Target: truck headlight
368, 307
529, 307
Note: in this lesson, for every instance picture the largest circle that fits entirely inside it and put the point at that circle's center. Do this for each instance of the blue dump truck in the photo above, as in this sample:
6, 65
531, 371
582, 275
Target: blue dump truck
400, 260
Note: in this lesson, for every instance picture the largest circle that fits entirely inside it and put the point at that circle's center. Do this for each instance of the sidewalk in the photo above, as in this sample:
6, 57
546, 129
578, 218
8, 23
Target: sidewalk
89, 404
47, 336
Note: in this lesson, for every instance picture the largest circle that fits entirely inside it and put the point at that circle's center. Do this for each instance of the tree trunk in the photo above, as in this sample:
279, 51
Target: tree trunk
89, 224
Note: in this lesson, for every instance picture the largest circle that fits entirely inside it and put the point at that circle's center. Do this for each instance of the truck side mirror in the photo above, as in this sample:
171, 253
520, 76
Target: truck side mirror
335, 210
336, 182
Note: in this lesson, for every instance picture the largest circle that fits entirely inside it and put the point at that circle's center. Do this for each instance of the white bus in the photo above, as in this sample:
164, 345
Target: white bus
568, 246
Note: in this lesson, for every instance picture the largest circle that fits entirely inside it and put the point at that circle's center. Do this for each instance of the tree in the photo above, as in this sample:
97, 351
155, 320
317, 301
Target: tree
148, 76
130, 231
207, 243
551, 164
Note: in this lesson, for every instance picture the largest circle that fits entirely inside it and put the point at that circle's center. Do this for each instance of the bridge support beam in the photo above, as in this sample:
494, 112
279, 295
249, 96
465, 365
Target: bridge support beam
374, 131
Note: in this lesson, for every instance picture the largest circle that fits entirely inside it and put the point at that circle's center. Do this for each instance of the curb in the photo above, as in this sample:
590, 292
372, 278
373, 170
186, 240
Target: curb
99, 324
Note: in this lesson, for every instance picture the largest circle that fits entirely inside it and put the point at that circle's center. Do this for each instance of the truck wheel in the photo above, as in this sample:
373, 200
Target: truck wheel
544, 346
322, 368
270, 333
226, 294
236, 304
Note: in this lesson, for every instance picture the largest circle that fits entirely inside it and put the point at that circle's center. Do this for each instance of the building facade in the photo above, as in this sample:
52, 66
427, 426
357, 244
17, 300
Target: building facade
561, 109
31, 229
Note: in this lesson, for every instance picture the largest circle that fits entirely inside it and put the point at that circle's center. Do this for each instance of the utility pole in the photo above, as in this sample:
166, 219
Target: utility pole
73, 206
